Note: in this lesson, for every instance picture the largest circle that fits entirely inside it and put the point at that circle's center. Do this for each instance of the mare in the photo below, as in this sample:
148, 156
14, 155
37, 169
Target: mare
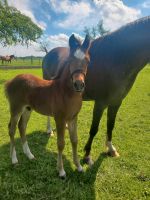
7, 58
60, 98
115, 61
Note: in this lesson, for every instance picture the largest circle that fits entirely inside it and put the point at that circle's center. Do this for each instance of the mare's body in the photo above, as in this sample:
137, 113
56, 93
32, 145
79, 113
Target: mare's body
116, 59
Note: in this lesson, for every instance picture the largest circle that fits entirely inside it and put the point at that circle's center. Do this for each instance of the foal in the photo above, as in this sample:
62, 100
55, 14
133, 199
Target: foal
61, 98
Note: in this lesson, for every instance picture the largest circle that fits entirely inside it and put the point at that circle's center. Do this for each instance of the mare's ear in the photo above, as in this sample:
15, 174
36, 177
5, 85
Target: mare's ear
86, 43
74, 43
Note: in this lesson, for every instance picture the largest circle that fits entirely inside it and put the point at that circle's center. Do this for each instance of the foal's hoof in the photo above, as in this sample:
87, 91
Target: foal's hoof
31, 157
113, 154
88, 161
80, 169
14, 162
62, 174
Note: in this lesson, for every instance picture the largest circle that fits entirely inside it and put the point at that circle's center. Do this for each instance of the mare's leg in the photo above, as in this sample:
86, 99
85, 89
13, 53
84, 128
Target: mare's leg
12, 130
97, 114
49, 128
60, 125
22, 125
72, 126
111, 116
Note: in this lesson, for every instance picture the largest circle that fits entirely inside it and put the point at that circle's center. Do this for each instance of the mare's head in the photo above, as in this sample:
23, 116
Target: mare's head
78, 61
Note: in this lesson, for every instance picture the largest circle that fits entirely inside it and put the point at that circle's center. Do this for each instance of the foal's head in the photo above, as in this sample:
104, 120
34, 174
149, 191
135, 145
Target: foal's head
78, 62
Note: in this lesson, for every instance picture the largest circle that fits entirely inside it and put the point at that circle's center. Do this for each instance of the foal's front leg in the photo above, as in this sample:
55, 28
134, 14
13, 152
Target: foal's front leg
72, 126
60, 125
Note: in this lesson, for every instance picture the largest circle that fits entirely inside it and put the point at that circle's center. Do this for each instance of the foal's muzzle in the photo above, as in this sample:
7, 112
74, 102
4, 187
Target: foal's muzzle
79, 85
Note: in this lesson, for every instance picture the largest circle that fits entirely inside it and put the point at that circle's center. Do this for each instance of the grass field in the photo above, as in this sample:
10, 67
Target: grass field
123, 178
23, 62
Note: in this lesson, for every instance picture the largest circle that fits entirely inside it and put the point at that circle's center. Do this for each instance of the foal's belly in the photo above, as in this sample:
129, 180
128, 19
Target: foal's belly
67, 110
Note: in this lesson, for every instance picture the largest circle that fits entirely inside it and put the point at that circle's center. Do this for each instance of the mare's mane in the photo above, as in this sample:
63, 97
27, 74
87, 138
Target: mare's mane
60, 71
126, 30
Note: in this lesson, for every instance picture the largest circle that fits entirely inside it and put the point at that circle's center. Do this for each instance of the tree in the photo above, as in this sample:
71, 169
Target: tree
16, 27
44, 45
100, 28
96, 31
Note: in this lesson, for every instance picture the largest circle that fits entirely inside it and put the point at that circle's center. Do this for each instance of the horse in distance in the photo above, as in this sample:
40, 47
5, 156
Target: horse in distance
7, 58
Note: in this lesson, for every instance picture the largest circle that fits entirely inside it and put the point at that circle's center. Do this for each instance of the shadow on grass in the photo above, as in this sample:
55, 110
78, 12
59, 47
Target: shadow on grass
38, 179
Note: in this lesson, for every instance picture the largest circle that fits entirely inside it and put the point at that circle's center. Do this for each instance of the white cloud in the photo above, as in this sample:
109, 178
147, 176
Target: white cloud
19, 50
42, 24
34, 49
61, 39
115, 13
146, 4
58, 40
25, 8
80, 14
76, 13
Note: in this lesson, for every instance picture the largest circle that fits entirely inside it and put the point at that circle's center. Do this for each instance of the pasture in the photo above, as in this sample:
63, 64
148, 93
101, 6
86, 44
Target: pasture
24, 61
126, 177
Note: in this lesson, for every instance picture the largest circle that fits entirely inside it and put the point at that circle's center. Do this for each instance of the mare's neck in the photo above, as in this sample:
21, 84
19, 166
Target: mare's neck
134, 41
128, 48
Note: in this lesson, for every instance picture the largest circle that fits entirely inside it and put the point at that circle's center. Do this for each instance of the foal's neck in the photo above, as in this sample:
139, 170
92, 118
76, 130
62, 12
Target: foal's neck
66, 82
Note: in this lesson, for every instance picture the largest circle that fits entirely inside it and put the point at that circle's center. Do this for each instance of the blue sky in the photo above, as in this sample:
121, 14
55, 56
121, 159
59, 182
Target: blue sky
60, 18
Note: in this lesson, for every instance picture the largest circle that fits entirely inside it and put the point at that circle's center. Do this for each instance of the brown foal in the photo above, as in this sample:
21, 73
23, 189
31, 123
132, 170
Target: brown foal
60, 98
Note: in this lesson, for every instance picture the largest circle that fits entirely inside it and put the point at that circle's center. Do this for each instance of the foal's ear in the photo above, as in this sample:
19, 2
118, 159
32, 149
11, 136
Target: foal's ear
86, 43
74, 43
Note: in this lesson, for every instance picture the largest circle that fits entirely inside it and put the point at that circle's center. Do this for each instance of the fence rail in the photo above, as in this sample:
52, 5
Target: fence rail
20, 67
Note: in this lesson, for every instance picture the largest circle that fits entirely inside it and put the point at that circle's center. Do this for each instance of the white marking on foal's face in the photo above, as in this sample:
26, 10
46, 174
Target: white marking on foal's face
79, 54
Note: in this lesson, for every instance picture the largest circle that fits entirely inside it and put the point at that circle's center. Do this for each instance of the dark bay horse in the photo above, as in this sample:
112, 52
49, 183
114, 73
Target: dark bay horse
60, 98
7, 58
115, 61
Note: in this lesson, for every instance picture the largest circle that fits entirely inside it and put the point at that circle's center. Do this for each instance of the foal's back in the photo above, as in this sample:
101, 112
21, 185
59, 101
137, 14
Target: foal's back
29, 90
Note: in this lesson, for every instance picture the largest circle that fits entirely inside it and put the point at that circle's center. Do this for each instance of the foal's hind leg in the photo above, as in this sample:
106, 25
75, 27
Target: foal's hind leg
12, 130
22, 125
49, 128
72, 126
60, 125
111, 116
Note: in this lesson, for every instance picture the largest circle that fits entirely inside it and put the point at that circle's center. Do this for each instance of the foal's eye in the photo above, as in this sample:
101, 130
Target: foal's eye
87, 61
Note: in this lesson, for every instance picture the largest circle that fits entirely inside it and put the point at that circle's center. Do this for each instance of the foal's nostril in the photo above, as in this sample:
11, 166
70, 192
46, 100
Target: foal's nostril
82, 84
75, 85
79, 86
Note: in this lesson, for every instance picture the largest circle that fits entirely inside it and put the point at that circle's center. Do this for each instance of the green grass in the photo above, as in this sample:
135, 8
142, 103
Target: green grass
127, 177
23, 62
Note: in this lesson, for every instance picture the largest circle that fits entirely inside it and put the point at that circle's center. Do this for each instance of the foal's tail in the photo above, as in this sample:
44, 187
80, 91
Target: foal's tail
8, 89
6, 86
